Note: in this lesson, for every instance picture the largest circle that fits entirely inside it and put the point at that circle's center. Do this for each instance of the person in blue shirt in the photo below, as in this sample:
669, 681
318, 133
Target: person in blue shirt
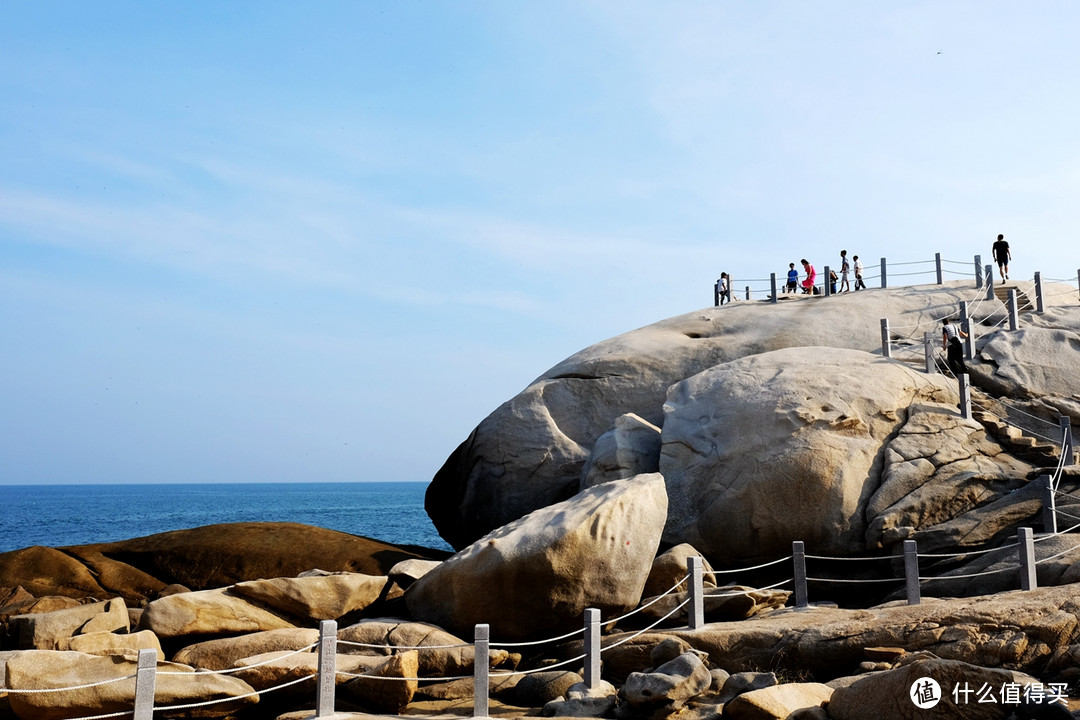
792, 279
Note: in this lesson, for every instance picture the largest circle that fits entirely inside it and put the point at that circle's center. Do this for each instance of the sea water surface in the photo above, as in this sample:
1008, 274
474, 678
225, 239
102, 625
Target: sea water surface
60, 515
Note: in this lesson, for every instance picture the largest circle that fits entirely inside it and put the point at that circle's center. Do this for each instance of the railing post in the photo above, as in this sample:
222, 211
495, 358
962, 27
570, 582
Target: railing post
989, 282
1028, 580
965, 325
772, 285
327, 679
481, 662
911, 572
1067, 447
883, 283
716, 294
937, 262
827, 290
1039, 307
145, 681
965, 396
1078, 279
730, 285
978, 272
1014, 321
928, 351
696, 611
798, 555
1049, 513
592, 648
886, 350
747, 292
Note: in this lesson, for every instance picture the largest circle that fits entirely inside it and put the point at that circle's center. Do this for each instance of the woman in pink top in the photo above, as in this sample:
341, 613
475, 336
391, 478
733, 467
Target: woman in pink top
811, 276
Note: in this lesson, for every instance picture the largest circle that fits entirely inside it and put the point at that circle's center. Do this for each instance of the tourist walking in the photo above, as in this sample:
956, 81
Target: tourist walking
725, 288
1002, 254
845, 286
859, 284
792, 279
952, 343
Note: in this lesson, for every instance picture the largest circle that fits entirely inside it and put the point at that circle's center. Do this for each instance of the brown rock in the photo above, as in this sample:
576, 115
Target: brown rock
223, 653
46, 631
207, 612
316, 597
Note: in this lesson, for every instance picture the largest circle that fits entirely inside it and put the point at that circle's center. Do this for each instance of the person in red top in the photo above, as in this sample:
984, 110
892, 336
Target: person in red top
811, 277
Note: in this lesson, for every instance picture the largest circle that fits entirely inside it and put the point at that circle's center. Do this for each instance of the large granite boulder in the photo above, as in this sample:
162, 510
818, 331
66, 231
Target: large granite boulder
315, 597
631, 447
535, 577
531, 451
439, 654
784, 446
222, 653
47, 630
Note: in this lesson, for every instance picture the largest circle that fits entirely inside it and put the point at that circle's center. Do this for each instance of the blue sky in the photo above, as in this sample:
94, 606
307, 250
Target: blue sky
321, 241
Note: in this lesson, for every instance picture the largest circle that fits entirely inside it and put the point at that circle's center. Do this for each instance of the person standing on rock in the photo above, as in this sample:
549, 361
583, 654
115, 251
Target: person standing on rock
859, 284
951, 342
725, 291
1002, 254
845, 268
811, 277
792, 278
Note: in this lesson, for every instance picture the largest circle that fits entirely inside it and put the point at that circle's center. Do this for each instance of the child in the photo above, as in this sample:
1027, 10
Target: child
792, 278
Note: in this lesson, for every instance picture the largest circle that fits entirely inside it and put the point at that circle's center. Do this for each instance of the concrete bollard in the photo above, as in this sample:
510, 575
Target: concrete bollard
696, 610
937, 264
928, 351
145, 684
1014, 320
978, 272
1049, 513
1067, 447
716, 294
827, 290
1039, 306
481, 663
911, 572
327, 678
772, 286
989, 282
592, 648
965, 396
884, 284
1026, 549
965, 325
886, 349
798, 556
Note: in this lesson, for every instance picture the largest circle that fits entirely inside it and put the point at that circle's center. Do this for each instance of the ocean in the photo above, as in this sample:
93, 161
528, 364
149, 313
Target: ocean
59, 515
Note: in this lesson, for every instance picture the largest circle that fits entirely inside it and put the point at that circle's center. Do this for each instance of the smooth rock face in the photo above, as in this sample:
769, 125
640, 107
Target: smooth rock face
207, 612
783, 446
672, 566
223, 653
46, 631
319, 597
778, 701
56, 669
631, 447
536, 576
108, 643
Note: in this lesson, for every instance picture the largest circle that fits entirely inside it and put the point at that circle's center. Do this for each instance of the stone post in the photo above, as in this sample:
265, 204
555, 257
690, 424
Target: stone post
592, 648
481, 663
1067, 447
1039, 306
978, 272
886, 350
928, 351
989, 282
911, 572
1049, 513
827, 290
716, 294
327, 677
883, 283
937, 263
1028, 580
747, 292
772, 285
965, 397
798, 554
965, 325
1014, 320
696, 610
145, 682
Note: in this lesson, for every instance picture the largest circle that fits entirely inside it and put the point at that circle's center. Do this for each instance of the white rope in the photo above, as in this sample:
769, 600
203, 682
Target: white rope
644, 630
748, 592
755, 567
972, 575
1057, 555
968, 552
404, 647
655, 600
417, 679
826, 557
854, 580
229, 671
233, 698
542, 668
35, 691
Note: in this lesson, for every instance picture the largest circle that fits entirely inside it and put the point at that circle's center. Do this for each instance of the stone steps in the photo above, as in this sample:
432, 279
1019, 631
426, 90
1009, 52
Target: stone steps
1016, 442
1023, 302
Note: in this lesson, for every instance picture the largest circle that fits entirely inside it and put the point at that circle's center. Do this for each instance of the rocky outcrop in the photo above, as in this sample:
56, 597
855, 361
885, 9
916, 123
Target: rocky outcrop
208, 612
631, 447
537, 575
48, 630
319, 597
212, 556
